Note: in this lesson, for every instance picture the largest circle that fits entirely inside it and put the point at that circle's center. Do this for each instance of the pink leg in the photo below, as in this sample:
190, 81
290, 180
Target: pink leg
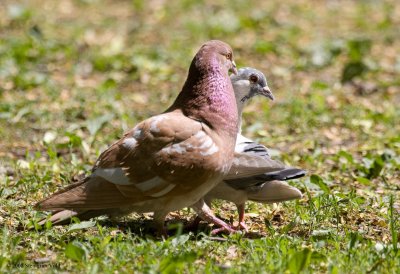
204, 212
242, 223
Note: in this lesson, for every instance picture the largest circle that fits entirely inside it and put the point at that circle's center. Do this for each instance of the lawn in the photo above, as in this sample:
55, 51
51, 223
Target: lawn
76, 74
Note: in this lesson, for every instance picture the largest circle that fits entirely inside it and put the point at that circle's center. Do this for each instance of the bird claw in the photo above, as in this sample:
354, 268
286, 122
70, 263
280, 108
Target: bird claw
206, 214
242, 225
228, 229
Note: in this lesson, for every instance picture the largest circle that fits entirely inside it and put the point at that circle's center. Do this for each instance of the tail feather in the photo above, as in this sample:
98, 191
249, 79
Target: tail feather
273, 192
45, 204
63, 217
92, 193
289, 173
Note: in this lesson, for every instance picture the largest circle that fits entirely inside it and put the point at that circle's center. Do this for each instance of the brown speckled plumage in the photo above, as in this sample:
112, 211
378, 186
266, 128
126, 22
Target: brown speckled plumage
168, 161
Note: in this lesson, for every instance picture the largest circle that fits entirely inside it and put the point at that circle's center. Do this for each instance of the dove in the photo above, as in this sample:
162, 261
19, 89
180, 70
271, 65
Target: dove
168, 161
238, 186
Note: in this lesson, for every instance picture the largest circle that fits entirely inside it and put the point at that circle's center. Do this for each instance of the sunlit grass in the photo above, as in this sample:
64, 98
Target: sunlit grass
74, 75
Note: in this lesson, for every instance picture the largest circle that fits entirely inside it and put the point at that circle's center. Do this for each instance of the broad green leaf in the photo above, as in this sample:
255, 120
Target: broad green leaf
376, 168
352, 70
74, 140
81, 225
358, 48
364, 181
316, 180
300, 260
75, 251
346, 155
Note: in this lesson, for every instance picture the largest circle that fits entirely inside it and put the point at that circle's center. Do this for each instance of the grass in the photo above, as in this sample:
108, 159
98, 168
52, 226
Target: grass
74, 75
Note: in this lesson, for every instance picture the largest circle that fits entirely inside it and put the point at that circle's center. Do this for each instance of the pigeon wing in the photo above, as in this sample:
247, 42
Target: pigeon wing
168, 154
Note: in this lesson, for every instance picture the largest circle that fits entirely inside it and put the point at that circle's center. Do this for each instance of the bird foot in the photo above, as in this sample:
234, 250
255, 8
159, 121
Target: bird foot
205, 213
228, 229
242, 226
193, 225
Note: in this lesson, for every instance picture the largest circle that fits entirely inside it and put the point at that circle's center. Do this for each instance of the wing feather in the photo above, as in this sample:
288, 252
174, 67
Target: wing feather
245, 165
152, 160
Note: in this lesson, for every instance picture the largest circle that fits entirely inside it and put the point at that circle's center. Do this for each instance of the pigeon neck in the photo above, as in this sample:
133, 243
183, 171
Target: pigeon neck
208, 96
240, 106
240, 93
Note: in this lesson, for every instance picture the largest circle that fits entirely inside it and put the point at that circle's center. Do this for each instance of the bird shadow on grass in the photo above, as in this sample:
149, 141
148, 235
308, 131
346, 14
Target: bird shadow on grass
145, 229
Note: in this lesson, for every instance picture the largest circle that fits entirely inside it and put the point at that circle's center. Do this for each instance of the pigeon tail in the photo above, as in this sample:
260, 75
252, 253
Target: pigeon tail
288, 173
274, 192
284, 175
64, 217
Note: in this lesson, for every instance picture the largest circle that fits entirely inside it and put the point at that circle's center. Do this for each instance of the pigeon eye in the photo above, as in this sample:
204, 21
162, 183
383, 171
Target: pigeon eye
253, 78
229, 56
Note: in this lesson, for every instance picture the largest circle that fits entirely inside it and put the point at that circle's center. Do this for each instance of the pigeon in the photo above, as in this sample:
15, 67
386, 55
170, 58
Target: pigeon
264, 187
168, 161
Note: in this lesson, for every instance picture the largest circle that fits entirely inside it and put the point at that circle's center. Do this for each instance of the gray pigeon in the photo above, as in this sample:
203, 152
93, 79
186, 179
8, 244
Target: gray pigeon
263, 188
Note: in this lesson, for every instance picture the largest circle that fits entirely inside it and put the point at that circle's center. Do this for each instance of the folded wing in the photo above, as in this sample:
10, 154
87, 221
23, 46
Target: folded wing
168, 154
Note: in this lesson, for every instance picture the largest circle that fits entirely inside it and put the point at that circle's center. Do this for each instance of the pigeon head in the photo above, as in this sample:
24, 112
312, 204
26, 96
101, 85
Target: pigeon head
207, 94
216, 50
250, 82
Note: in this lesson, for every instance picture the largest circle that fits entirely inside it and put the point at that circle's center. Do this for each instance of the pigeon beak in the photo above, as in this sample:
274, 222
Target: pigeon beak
233, 68
265, 91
